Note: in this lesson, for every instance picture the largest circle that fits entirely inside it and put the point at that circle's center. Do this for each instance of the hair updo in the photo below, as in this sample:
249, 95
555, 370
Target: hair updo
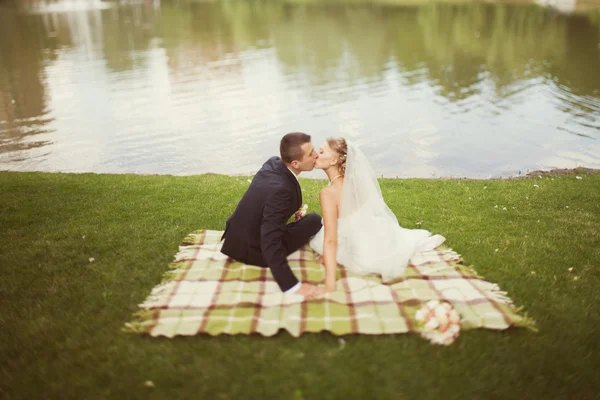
341, 148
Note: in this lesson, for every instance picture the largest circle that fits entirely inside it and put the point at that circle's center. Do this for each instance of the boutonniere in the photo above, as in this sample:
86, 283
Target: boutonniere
298, 215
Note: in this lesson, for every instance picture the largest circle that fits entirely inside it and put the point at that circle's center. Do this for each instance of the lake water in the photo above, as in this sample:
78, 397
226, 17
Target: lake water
187, 87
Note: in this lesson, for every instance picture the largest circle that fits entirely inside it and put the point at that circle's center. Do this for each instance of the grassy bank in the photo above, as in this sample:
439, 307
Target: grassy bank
62, 315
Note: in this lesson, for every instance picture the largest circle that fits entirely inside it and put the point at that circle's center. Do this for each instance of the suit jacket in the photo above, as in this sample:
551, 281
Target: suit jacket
255, 231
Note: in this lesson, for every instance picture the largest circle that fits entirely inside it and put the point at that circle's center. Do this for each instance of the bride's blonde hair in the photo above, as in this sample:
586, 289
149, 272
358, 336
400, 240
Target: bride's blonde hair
341, 148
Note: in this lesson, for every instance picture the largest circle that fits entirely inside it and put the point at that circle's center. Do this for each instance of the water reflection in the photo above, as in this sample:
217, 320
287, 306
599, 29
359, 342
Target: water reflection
23, 111
185, 87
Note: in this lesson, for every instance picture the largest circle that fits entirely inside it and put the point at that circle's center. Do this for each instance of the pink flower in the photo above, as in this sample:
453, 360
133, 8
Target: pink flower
298, 215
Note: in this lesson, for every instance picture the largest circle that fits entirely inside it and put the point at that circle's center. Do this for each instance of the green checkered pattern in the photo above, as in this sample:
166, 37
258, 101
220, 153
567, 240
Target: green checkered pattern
207, 292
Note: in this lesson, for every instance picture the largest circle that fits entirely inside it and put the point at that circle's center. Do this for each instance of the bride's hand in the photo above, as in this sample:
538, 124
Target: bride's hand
321, 260
310, 291
330, 287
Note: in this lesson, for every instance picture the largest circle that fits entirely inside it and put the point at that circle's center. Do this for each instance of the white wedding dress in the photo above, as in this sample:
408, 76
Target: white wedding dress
370, 240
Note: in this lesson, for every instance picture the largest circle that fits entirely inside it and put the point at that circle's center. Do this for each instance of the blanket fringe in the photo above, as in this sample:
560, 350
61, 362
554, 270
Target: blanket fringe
185, 252
524, 320
141, 322
468, 270
450, 255
193, 237
171, 275
157, 295
457, 261
134, 327
494, 292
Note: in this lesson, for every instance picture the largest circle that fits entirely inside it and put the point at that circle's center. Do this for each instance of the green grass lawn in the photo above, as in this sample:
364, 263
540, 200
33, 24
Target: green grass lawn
61, 315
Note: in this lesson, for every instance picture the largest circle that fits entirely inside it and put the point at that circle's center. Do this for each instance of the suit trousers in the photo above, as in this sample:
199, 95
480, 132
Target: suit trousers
297, 234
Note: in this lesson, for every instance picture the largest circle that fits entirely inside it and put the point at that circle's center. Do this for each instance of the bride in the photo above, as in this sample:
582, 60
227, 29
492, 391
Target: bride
359, 230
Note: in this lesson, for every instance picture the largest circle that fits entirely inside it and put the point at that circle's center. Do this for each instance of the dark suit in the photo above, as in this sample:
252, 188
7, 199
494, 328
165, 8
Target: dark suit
257, 234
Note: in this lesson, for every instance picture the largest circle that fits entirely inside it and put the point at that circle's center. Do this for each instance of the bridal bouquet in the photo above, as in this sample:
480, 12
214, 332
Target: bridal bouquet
298, 215
440, 322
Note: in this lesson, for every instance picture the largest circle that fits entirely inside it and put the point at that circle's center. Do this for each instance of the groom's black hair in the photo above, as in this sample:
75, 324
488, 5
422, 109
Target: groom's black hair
290, 149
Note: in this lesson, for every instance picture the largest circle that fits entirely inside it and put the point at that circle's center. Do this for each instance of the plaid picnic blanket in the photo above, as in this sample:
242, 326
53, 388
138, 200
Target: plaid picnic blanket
207, 292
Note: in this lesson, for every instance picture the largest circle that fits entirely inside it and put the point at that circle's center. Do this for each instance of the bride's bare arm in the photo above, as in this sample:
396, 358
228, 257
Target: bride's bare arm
329, 208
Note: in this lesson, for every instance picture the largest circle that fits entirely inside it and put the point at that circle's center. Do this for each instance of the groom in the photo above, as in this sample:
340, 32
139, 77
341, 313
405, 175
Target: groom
257, 234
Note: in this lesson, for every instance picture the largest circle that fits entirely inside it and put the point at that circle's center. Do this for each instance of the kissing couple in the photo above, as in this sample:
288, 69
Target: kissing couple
358, 230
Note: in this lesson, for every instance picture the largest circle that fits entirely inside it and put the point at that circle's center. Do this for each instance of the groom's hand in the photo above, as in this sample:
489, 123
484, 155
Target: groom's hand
310, 291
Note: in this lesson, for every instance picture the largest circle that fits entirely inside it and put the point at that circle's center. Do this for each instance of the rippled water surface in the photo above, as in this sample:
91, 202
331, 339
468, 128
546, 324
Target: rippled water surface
184, 87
